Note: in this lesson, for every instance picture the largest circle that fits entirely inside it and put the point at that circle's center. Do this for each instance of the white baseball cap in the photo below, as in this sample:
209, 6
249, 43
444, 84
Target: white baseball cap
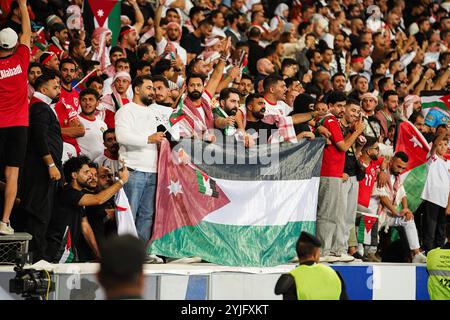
8, 38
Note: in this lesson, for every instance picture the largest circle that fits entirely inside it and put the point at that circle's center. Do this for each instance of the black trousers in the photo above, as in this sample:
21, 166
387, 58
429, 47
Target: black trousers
37, 222
433, 226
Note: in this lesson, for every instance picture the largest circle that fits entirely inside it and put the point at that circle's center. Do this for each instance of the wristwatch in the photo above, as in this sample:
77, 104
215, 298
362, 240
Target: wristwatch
51, 165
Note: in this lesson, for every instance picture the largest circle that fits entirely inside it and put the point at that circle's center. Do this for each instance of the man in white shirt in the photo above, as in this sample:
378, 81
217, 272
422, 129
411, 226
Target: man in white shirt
436, 194
136, 130
385, 200
91, 144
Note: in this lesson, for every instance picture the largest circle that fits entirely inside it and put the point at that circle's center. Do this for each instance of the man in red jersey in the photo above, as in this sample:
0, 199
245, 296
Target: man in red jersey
366, 218
13, 108
330, 219
67, 107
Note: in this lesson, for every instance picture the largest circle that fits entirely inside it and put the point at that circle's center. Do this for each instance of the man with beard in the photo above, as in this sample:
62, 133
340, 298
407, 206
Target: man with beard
387, 115
224, 114
42, 169
235, 30
101, 218
136, 128
338, 83
373, 166
256, 108
389, 198
246, 87
193, 41
91, 144
69, 219
197, 104
67, 107
330, 219
110, 157
172, 35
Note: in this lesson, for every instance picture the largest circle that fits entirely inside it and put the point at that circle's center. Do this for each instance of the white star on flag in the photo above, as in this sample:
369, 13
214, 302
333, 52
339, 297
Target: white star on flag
100, 13
174, 187
416, 142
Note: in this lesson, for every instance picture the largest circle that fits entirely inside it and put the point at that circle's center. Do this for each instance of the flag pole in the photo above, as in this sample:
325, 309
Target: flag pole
82, 80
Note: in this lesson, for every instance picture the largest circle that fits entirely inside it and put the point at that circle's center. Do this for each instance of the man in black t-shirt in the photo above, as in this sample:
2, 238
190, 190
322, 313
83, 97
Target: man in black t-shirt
256, 107
69, 216
192, 42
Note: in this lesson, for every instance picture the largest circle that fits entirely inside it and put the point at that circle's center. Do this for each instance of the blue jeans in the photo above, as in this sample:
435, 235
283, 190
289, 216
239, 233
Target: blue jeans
140, 190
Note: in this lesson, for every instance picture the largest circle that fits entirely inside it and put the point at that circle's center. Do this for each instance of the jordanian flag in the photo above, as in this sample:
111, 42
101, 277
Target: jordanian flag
67, 254
246, 212
102, 13
412, 142
435, 106
366, 232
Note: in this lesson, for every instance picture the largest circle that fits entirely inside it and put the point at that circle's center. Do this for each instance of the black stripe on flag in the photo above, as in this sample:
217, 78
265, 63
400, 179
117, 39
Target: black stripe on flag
287, 161
430, 93
212, 184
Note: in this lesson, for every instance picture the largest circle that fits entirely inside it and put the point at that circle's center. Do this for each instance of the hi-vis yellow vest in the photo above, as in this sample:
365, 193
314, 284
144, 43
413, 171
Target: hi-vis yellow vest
438, 266
316, 282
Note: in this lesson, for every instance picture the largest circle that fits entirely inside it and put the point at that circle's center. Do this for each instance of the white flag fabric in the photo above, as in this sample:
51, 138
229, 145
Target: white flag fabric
124, 216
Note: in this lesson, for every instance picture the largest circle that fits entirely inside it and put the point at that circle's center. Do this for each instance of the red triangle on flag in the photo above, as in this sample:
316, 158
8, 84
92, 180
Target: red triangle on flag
178, 201
412, 142
446, 100
101, 9
369, 222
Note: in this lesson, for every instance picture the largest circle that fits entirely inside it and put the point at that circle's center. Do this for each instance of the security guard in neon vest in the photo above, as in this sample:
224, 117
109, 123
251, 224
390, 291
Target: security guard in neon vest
438, 267
311, 280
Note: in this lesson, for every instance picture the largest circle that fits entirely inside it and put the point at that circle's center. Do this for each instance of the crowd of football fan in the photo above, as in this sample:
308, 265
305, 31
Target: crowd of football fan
83, 109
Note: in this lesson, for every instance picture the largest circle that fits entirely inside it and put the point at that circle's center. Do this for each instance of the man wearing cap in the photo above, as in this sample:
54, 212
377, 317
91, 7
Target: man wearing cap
311, 280
121, 268
13, 108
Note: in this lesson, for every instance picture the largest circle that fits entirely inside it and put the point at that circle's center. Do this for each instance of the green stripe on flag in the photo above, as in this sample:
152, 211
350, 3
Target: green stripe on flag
437, 104
114, 23
414, 184
217, 243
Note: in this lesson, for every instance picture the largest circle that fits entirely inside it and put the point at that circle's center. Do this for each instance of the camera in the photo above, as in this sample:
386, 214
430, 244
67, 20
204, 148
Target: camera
32, 284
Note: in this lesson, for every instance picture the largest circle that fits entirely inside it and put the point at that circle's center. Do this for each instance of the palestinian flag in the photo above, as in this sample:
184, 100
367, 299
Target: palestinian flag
244, 64
178, 114
67, 255
435, 106
412, 142
206, 185
80, 85
102, 13
239, 210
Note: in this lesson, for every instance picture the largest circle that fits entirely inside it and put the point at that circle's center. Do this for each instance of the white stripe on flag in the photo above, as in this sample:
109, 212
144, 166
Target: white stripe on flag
263, 203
